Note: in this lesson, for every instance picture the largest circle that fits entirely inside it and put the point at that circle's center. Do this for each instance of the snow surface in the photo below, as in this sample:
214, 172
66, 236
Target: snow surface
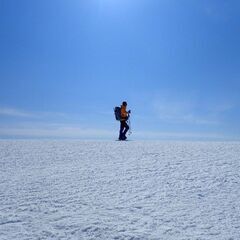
119, 190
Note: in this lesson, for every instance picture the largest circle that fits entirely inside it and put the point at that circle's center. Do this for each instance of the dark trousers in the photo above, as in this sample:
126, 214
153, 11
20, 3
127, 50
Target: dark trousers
123, 130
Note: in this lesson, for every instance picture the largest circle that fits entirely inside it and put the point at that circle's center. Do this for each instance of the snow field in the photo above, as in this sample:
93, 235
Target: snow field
119, 190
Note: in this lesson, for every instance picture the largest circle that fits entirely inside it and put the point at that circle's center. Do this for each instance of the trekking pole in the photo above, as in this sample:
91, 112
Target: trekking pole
129, 124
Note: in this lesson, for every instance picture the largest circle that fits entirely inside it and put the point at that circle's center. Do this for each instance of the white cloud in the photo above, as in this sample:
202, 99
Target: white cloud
12, 112
67, 131
47, 127
78, 132
51, 128
178, 135
189, 112
54, 131
46, 124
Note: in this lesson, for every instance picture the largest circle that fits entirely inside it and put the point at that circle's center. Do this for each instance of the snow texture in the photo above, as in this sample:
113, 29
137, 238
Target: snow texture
119, 190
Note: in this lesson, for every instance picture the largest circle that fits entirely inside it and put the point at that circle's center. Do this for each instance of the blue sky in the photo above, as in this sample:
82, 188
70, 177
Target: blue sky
66, 64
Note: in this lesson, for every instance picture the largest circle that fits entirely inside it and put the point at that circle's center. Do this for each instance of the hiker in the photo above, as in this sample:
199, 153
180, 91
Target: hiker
123, 121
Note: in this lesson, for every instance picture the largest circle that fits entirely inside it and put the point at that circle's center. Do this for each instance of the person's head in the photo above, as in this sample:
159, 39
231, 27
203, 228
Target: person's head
124, 103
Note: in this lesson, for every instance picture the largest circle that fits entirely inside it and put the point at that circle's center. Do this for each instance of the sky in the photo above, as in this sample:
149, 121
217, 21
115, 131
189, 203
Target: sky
64, 66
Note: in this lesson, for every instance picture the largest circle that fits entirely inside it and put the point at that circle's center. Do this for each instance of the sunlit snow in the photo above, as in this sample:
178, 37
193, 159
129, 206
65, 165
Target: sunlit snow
119, 190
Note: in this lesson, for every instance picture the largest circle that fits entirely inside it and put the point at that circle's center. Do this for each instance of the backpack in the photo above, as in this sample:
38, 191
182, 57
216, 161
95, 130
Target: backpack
117, 112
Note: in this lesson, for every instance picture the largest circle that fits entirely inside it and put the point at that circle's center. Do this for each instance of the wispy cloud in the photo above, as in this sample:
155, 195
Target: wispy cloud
218, 11
77, 132
49, 124
53, 131
178, 135
13, 112
19, 113
189, 112
37, 124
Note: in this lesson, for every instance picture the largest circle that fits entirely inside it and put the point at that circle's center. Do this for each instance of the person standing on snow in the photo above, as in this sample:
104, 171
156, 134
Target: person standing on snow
123, 122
